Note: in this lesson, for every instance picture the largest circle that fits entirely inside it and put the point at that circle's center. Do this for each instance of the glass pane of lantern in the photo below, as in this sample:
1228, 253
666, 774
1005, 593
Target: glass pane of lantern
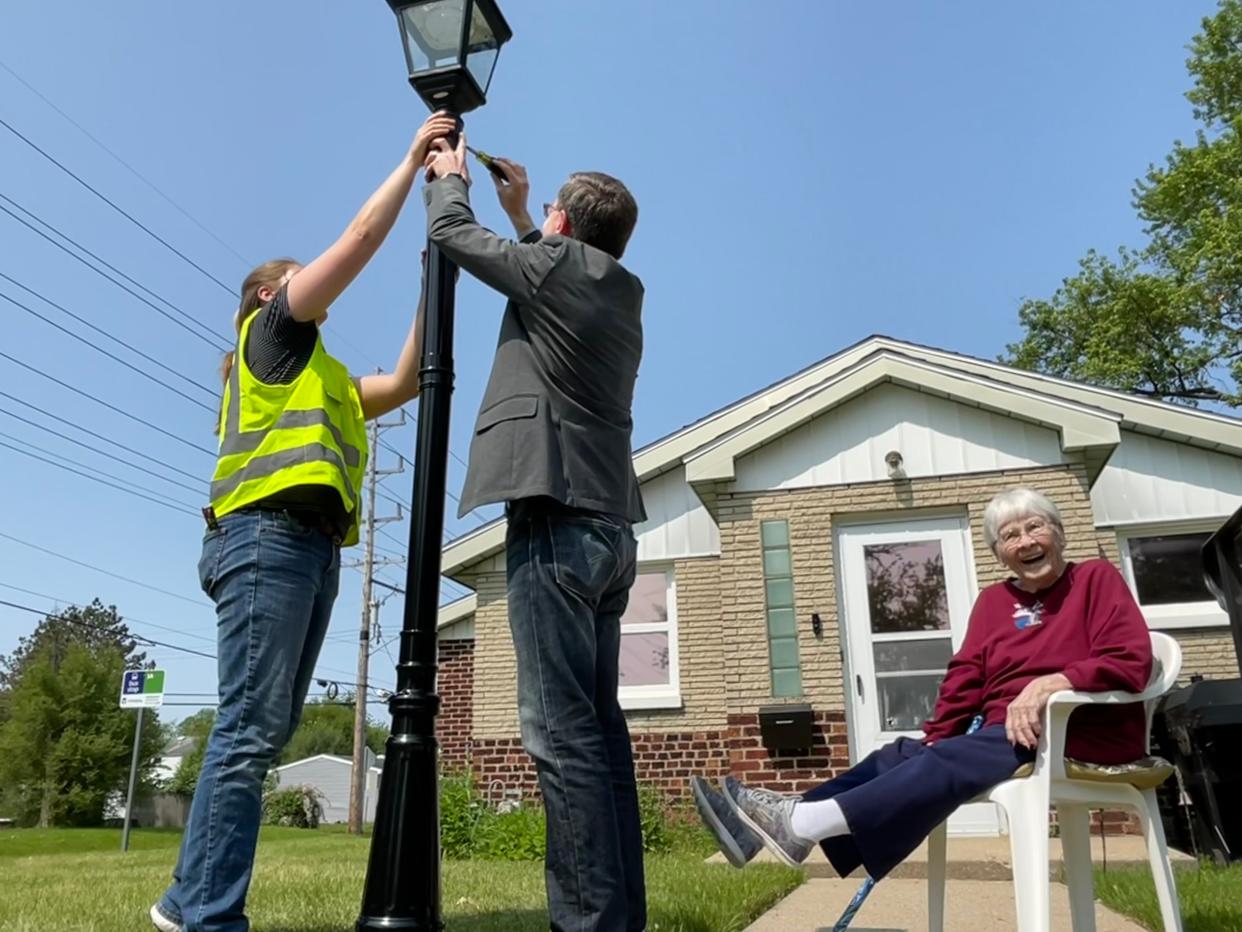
432, 33
483, 50
481, 64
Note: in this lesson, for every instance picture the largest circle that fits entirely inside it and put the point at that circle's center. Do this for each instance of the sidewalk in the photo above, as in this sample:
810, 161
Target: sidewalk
987, 858
901, 906
978, 898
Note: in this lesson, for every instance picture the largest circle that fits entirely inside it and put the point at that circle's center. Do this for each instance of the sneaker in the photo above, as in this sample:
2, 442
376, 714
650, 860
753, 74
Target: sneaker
767, 814
737, 843
162, 921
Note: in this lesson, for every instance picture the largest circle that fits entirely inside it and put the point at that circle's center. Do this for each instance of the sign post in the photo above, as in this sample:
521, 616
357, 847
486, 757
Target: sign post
140, 689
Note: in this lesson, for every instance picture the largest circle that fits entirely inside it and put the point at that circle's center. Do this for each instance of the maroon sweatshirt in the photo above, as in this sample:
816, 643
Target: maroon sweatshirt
1085, 625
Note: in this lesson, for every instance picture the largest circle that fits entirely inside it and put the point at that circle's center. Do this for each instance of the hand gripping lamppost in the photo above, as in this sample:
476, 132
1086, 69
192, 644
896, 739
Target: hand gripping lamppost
451, 47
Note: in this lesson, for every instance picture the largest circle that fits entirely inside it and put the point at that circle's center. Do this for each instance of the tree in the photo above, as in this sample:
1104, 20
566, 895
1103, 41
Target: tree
328, 728
93, 626
65, 745
1165, 320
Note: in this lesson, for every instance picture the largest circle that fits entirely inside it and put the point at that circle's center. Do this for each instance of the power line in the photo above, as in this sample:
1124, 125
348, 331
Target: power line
185, 213
98, 436
128, 216
115, 339
208, 336
119, 485
136, 637
125, 618
108, 405
150, 641
99, 349
98, 569
197, 490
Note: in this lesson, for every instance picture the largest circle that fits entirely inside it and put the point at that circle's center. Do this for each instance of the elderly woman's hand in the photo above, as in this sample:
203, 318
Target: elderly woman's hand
1024, 719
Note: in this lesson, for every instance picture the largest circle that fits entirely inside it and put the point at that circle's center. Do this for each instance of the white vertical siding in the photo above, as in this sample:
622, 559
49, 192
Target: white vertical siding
328, 775
677, 524
935, 436
1149, 480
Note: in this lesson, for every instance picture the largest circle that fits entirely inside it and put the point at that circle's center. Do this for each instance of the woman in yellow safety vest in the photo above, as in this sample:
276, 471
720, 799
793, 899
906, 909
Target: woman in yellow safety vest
284, 498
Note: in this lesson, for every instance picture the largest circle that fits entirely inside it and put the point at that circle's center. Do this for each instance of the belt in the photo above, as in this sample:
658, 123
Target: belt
314, 520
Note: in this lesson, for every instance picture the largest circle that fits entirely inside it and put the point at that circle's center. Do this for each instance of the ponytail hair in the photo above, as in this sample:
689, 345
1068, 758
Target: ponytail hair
269, 274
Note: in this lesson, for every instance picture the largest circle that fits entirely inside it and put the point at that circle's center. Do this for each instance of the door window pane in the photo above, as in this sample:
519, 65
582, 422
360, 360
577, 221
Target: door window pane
1168, 569
931, 655
906, 702
906, 587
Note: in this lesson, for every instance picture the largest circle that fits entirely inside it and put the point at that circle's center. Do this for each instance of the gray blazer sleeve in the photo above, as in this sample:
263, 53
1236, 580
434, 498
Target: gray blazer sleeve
516, 270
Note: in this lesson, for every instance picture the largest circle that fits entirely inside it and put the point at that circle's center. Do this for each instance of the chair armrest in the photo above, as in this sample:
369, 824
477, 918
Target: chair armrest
1074, 698
1051, 753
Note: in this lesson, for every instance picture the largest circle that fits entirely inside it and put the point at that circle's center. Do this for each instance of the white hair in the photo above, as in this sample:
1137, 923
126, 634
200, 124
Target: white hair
1014, 504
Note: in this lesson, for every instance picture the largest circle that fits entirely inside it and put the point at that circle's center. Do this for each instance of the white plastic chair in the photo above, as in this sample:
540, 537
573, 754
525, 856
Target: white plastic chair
1026, 801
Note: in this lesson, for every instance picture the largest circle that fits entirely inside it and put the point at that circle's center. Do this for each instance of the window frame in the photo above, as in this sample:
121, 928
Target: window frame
1202, 614
663, 695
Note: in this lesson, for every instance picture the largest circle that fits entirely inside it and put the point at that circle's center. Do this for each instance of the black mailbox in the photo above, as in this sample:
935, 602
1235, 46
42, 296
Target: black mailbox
787, 727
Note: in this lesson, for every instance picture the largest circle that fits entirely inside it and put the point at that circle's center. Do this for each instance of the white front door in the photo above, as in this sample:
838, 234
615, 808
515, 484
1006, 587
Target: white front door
906, 589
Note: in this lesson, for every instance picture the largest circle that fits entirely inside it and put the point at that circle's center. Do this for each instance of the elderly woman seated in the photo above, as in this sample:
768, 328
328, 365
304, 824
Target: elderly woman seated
1052, 626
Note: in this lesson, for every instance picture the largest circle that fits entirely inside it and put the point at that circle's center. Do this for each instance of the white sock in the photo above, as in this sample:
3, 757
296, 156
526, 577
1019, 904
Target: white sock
818, 820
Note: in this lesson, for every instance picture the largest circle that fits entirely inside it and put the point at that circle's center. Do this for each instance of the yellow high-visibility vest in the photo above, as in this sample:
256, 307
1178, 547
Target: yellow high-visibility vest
275, 437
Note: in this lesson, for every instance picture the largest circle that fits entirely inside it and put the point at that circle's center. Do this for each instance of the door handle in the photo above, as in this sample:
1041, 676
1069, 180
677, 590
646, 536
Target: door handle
858, 685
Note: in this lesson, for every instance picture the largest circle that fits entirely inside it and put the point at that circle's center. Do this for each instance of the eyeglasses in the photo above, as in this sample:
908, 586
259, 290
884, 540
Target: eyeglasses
1013, 534
548, 208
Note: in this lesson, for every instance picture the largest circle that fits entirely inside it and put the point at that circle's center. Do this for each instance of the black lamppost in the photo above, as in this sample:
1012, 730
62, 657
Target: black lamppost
451, 48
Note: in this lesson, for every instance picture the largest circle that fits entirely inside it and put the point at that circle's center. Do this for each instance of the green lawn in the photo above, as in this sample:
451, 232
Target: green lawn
1211, 897
311, 881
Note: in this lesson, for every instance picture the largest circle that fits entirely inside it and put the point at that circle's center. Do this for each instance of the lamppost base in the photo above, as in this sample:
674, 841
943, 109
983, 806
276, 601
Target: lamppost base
382, 924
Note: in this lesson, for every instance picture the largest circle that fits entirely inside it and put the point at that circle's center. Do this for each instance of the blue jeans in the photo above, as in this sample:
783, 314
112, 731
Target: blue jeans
569, 575
273, 581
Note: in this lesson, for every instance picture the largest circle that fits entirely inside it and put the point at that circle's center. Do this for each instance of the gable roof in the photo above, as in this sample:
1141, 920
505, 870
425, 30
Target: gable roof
1090, 432
330, 758
1078, 401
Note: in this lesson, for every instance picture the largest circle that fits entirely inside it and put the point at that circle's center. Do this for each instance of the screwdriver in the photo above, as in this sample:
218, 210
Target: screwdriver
488, 162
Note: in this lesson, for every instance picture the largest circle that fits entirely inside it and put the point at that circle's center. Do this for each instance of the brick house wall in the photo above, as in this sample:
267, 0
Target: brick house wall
455, 684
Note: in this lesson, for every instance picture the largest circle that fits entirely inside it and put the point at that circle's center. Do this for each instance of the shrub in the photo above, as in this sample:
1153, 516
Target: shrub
295, 806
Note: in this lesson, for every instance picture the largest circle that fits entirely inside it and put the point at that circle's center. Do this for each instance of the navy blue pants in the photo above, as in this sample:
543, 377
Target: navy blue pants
895, 796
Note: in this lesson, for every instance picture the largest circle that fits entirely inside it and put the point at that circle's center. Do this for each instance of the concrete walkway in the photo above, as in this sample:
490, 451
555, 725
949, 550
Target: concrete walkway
901, 906
979, 896
987, 858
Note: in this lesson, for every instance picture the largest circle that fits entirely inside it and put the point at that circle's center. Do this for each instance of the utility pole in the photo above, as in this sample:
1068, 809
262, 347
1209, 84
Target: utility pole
357, 789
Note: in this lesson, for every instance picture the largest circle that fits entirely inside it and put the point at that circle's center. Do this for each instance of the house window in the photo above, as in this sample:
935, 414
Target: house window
649, 669
1164, 567
781, 620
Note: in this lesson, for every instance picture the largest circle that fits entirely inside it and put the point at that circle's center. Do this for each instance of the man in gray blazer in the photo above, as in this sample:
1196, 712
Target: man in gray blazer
553, 442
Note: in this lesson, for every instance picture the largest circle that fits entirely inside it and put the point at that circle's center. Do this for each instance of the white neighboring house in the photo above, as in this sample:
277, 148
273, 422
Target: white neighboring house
330, 775
169, 760
174, 752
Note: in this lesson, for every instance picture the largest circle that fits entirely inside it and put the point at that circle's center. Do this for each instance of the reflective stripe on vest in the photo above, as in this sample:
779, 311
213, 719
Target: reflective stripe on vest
292, 446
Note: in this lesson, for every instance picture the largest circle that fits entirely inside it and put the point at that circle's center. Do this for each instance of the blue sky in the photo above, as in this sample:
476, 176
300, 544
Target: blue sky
808, 173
